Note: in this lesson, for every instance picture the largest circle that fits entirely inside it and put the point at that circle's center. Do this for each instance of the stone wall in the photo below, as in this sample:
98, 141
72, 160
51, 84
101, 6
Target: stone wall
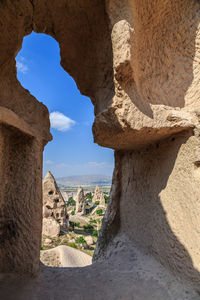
138, 61
155, 132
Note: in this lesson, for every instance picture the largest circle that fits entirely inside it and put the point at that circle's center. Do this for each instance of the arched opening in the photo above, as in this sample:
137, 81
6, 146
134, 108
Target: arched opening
153, 54
72, 157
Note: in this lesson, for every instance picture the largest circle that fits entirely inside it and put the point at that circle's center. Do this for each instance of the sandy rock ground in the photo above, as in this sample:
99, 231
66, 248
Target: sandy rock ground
64, 256
127, 273
77, 218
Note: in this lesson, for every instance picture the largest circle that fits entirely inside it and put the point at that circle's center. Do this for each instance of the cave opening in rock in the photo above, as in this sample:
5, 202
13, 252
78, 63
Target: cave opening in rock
71, 157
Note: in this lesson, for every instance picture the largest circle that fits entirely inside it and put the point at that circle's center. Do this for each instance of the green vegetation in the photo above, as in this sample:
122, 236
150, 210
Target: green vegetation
92, 221
95, 233
71, 202
71, 225
99, 211
89, 196
80, 240
88, 227
77, 224
78, 231
73, 245
106, 197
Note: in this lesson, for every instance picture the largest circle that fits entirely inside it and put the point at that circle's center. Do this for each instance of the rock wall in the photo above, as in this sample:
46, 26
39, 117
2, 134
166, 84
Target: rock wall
20, 201
158, 204
155, 132
138, 61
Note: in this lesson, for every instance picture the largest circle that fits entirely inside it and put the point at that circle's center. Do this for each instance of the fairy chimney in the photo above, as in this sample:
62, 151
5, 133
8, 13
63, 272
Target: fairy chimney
80, 202
53, 204
98, 196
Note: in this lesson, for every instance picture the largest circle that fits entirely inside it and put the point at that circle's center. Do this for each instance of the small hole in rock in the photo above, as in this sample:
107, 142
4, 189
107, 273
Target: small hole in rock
197, 163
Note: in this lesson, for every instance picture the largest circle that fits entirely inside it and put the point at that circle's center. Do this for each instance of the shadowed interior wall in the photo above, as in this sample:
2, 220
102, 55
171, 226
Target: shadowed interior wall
160, 202
20, 209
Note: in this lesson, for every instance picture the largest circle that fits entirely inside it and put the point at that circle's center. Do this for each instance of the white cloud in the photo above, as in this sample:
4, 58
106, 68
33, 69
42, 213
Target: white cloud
98, 164
60, 121
48, 162
21, 65
64, 165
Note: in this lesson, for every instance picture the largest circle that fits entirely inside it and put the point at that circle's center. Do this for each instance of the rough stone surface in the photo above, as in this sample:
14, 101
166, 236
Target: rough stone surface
155, 130
47, 242
64, 256
98, 196
89, 240
80, 202
138, 61
127, 273
83, 220
54, 206
20, 201
50, 227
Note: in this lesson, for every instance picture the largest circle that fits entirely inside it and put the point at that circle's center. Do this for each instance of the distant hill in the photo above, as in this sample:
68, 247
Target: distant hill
84, 180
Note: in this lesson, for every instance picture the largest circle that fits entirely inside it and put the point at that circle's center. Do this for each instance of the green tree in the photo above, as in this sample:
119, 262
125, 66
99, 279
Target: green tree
106, 197
99, 211
71, 202
95, 233
80, 240
89, 196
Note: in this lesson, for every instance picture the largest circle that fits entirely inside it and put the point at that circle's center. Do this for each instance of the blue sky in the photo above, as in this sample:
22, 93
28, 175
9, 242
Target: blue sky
72, 151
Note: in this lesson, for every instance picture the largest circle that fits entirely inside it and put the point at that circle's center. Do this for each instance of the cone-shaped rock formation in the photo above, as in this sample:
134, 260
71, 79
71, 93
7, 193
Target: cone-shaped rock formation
54, 208
98, 196
80, 202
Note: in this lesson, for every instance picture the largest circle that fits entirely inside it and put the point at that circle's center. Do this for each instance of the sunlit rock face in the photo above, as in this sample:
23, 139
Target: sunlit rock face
153, 124
54, 208
80, 201
138, 61
98, 197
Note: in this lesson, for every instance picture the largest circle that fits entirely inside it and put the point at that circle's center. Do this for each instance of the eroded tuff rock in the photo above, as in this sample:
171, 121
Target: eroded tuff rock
98, 196
55, 218
50, 227
153, 123
138, 61
153, 73
80, 201
64, 256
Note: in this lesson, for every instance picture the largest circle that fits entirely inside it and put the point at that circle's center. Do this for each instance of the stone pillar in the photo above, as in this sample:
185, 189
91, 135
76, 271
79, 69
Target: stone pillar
20, 201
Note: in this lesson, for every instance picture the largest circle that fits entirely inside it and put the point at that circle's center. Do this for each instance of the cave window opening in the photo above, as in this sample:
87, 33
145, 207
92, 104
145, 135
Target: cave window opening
71, 155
